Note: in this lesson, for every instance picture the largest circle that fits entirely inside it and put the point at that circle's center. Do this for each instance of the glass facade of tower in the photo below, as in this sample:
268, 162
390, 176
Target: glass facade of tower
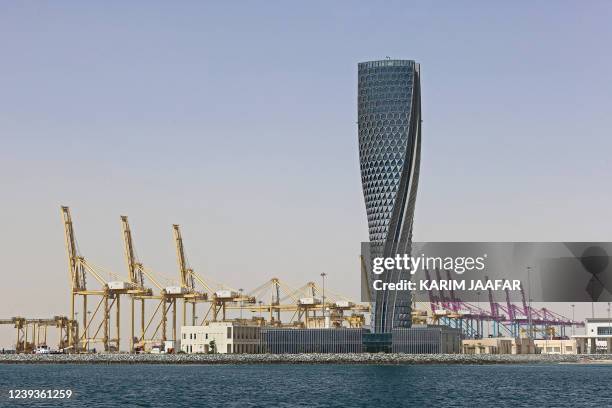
389, 122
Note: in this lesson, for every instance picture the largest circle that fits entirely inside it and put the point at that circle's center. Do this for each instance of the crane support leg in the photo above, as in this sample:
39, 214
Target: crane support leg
164, 319
86, 342
118, 322
174, 320
105, 322
132, 327
142, 319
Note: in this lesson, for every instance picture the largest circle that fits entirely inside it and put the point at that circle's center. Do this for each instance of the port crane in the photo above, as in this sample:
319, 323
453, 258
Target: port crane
32, 333
309, 304
272, 289
88, 281
110, 293
507, 319
165, 301
219, 299
303, 303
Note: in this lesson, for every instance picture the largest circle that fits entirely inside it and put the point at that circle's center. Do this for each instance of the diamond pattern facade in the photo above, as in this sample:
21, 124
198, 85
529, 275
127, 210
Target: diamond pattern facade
389, 109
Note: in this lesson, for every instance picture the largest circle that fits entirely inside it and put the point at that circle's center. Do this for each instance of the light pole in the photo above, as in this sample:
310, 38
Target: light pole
323, 275
479, 327
89, 320
573, 319
241, 304
529, 306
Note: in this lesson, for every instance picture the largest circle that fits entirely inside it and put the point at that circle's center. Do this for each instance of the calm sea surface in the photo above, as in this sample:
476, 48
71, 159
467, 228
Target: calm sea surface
313, 385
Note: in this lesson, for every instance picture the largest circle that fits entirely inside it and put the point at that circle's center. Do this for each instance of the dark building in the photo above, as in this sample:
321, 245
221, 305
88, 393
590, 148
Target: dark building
426, 339
420, 339
295, 341
389, 122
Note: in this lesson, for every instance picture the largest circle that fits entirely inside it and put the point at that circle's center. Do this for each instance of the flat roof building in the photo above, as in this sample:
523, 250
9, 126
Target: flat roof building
597, 337
500, 345
426, 339
220, 337
294, 341
487, 345
555, 346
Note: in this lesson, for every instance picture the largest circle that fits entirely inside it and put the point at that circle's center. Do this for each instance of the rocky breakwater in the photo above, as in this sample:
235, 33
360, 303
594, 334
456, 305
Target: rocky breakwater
362, 358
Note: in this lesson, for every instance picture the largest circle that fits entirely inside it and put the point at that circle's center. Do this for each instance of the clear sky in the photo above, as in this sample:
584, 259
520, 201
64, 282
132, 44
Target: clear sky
238, 121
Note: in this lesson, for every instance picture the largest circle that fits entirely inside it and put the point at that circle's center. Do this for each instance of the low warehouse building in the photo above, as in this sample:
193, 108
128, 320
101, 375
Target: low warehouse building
490, 345
294, 341
555, 346
499, 345
233, 337
426, 339
523, 345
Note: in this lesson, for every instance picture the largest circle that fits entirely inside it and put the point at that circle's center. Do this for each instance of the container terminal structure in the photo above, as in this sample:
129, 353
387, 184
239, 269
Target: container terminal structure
274, 304
506, 319
97, 325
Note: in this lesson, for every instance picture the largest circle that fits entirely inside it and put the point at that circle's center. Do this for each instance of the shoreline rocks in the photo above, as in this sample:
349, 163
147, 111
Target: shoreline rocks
361, 358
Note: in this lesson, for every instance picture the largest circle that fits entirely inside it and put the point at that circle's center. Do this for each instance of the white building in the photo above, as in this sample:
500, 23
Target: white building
597, 337
228, 337
598, 327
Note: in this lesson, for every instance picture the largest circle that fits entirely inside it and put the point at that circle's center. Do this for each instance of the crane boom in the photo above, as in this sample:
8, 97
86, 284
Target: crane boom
186, 273
134, 268
77, 272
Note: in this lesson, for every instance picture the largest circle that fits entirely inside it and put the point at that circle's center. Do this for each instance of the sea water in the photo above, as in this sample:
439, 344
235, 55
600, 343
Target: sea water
311, 385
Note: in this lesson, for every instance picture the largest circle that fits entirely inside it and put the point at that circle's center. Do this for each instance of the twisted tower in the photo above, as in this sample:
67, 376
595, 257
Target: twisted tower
389, 122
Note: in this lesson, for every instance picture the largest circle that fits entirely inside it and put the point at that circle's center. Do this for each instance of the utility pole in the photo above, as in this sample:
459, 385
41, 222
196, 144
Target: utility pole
529, 294
573, 319
323, 275
89, 319
241, 302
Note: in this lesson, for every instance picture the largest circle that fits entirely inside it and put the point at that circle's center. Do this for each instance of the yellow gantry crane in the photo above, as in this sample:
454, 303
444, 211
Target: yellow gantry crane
309, 302
32, 333
96, 326
110, 297
271, 289
219, 299
338, 305
303, 303
187, 290
166, 299
137, 271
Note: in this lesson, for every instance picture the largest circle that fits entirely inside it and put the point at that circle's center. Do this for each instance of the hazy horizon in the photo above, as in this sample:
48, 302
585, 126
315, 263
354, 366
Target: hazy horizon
238, 121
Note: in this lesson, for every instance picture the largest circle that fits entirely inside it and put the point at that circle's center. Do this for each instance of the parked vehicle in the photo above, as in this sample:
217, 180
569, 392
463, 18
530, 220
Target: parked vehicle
42, 350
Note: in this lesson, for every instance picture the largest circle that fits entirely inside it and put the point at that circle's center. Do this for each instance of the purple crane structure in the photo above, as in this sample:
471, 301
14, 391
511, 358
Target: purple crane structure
454, 312
507, 319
